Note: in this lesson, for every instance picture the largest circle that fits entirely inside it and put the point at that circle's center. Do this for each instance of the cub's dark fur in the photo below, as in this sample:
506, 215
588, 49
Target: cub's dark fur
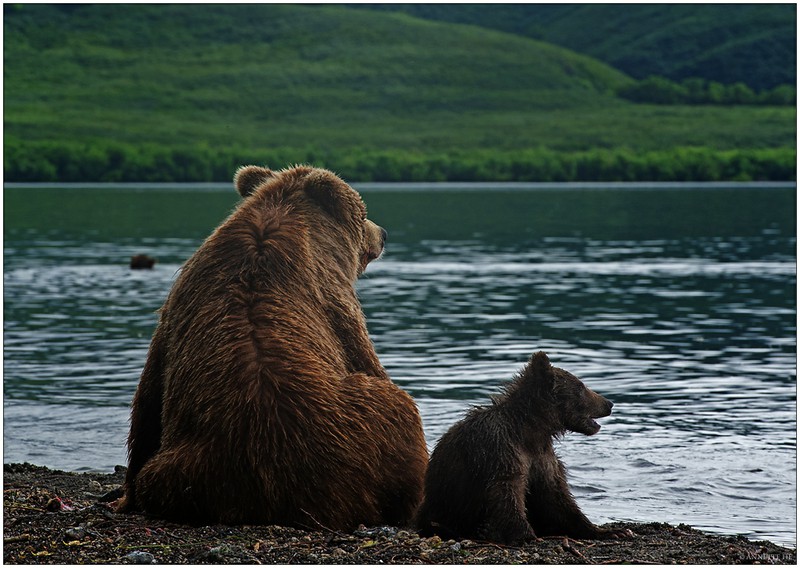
495, 476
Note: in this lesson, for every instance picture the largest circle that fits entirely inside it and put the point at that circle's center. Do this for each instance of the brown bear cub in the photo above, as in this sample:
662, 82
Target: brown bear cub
495, 476
262, 400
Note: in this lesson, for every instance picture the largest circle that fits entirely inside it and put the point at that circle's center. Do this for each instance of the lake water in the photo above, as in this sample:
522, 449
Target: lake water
677, 303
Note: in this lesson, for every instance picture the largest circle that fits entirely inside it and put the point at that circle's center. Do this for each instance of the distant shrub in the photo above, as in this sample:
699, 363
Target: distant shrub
658, 90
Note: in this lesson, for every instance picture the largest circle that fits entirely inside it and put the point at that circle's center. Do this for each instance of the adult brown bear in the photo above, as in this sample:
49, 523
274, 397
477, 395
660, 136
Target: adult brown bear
262, 400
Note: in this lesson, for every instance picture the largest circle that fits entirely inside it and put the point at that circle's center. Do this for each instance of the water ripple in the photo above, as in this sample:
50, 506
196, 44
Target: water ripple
692, 336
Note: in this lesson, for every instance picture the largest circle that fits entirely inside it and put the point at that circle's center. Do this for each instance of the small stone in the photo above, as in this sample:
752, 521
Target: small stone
112, 495
139, 557
215, 555
74, 533
375, 532
388, 532
95, 487
455, 547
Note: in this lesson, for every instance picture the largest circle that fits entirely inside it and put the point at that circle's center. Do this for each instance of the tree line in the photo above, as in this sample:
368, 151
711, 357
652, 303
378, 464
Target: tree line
122, 162
696, 91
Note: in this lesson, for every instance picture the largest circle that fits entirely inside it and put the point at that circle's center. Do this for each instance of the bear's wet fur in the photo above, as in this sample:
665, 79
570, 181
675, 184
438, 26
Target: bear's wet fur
262, 400
495, 476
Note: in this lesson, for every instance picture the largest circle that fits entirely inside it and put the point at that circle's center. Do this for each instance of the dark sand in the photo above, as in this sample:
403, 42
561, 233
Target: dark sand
55, 517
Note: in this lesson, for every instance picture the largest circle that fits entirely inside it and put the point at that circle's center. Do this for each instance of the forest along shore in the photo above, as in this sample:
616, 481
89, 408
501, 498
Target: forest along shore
56, 517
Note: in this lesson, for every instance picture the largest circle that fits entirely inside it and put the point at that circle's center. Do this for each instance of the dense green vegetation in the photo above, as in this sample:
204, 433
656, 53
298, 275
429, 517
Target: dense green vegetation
46, 161
752, 43
188, 93
659, 90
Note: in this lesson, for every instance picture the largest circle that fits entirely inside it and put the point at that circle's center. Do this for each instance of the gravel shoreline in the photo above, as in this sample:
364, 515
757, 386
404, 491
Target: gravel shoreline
56, 517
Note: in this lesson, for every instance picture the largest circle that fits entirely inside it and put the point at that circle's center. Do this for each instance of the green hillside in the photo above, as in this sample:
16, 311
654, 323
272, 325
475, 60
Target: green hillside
188, 92
750, 43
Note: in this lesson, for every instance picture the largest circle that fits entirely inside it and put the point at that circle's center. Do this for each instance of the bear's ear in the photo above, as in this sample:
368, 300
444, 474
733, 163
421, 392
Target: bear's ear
248, 178
331, 193
540, 370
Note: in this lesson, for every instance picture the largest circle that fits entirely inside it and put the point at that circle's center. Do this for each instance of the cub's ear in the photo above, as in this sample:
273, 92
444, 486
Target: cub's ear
539, 369
248, 178
332, 194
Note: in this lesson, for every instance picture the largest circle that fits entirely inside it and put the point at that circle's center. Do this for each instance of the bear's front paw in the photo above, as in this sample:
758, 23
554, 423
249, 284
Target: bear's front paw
615, 534
527, 536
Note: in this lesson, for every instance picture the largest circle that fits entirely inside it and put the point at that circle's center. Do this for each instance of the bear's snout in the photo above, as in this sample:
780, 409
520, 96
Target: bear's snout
599, 407
605, 407
375, 240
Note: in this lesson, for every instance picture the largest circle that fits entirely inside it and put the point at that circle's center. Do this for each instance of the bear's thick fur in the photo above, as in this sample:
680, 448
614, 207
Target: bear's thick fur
495, 476
262, 400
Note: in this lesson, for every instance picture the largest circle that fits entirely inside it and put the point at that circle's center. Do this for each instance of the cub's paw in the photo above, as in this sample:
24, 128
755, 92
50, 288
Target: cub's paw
509, 536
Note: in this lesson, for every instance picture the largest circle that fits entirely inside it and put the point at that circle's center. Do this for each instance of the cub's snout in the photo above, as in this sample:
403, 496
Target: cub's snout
604, 407
599, 407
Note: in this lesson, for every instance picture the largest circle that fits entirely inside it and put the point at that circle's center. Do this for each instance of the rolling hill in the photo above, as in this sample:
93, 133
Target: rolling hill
751, 43
187, 92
